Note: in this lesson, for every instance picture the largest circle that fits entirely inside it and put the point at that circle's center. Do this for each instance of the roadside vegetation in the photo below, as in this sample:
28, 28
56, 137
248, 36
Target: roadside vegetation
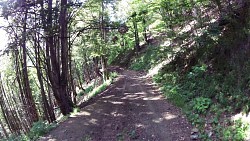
206, 75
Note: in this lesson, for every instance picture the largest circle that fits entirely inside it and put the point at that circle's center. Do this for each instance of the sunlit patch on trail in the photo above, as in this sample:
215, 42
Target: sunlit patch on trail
140, 93
93, 121
152, 98
108, 96
117, 102
146, 113
115, 114
156, 69
168, 116
139, 125
133, 96
84, 113
158, 120
119, 88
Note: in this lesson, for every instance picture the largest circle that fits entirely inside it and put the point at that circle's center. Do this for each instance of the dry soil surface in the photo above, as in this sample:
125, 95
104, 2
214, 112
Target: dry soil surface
131, 109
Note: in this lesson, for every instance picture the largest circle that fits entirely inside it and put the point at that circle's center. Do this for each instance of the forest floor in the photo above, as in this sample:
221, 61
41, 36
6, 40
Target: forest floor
132, 108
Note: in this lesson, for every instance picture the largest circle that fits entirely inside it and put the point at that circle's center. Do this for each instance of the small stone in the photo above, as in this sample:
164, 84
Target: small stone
194, 130
194, 137
210, 134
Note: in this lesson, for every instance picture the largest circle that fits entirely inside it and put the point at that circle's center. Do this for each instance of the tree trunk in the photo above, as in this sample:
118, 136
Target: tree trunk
67, 105
28, 94
58, 67
136, 35
144, 30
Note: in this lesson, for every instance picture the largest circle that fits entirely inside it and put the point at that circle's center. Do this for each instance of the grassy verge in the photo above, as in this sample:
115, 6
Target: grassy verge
90, 91
208, 100
103, 86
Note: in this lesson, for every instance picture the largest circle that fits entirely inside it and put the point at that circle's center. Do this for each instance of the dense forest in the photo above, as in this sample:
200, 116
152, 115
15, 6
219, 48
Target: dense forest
58, 51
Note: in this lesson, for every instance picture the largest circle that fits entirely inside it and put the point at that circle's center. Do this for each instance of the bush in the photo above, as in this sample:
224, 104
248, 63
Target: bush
113, 75
39, 128
201, 104
236, 132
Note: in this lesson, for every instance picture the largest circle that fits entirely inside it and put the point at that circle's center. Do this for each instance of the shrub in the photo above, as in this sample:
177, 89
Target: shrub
39, 128
201, 104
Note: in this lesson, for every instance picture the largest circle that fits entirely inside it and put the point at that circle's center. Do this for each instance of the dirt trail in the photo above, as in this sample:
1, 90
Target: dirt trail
131, 109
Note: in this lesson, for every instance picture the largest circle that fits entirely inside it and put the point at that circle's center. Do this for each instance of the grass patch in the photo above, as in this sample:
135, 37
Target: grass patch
100, 88
152, 56
103, 86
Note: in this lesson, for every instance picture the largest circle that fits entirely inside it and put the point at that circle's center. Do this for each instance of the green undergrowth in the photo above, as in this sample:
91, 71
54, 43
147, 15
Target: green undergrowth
91, 88
209, 99
103, 86
152, 56
92, 91
38, 129
209, 80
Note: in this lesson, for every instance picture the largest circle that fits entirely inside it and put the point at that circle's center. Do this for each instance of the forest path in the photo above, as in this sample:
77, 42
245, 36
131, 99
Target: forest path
131, 109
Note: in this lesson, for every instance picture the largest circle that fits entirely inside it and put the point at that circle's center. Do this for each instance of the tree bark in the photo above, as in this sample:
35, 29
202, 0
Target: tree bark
136, 35
28, 94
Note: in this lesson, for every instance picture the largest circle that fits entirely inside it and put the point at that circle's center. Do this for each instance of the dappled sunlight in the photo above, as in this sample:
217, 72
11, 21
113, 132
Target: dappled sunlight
146, 113
158, 120
165, 116
117, 102
168, 116
166, 43
136, 106
153, 71
245, 118
132, 97
188, 27
107, 97
134, 85
135, 94
83, 113
50, 138
93, 121
70, 121
116, 114
139, 125
153, 98
119, 89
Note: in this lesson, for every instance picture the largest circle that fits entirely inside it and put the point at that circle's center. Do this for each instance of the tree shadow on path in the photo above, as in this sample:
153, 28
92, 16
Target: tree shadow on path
130, 109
